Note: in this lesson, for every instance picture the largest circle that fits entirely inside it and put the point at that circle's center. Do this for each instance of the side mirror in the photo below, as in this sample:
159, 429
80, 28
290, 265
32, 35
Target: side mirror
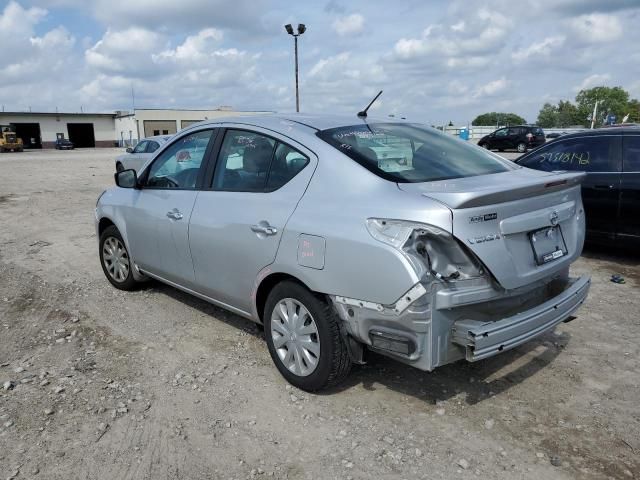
129, 150
126, 178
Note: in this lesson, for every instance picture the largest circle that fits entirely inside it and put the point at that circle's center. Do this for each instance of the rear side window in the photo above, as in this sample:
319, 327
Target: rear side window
409, 153
287, 162
587, 154
251, 162
631, 153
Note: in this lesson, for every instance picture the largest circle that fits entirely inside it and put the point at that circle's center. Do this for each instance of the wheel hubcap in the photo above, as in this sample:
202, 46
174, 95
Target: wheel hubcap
116, 259
295, 337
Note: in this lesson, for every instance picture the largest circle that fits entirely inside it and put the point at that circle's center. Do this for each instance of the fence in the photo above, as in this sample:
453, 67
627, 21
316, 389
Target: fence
476, 132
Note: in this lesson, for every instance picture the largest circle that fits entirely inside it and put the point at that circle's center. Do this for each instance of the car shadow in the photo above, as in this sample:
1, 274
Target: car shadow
621, 260
476, 381
471, 382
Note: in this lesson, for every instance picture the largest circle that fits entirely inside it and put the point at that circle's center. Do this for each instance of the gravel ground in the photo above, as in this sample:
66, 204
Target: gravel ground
100, 384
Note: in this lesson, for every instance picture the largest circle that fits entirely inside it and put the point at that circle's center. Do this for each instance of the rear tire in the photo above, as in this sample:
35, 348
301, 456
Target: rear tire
116, 263
304, 339
521, 147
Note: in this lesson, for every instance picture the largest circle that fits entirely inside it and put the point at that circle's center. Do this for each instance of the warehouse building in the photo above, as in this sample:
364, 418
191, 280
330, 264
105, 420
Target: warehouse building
89, 130
147, 122
40, 130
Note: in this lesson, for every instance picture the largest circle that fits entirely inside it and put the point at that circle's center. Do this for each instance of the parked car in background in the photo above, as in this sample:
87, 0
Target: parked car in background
138, 155
611, 191
342, 234
519, 137
64, 144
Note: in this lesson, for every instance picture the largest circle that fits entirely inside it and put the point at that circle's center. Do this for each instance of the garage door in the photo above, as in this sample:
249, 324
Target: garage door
82, 135
29, 133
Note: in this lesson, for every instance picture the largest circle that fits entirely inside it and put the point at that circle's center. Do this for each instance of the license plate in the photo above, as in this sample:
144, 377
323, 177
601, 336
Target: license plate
548, 244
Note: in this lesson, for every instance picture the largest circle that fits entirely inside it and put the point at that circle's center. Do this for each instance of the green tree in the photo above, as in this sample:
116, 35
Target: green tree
568, 115
633, 110
548, 116
497, 118
611, 100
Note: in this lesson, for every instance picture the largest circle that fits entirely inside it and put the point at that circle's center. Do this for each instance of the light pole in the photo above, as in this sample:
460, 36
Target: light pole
301, 29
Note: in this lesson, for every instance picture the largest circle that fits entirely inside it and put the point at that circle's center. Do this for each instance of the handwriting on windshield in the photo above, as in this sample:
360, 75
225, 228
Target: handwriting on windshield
582, 158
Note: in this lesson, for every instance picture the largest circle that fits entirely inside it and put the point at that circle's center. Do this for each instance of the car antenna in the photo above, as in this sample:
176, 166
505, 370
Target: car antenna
363, 113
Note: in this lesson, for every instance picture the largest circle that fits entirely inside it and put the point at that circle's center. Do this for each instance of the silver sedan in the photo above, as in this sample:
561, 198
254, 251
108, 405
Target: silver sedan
343, 235
136, 157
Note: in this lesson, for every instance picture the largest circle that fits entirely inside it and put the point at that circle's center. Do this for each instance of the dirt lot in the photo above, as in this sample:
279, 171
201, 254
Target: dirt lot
158, 385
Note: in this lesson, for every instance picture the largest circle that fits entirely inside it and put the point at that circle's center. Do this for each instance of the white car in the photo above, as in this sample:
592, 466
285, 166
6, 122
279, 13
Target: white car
136, 157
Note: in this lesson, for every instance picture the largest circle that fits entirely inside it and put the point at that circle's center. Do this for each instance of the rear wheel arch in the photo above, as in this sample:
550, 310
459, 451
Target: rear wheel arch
267, 284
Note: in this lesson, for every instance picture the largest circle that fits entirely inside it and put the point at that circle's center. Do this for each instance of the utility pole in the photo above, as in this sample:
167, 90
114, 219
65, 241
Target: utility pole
595, 112
301, 29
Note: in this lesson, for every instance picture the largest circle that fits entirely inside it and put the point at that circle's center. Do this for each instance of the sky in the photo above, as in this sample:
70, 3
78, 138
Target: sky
437, 61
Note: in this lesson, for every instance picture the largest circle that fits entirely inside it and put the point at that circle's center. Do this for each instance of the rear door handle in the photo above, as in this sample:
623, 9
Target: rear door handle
603, 187
174, 214
266, 229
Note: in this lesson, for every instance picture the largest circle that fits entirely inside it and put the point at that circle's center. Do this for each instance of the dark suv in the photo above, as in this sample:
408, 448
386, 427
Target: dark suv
611, 190
519, 137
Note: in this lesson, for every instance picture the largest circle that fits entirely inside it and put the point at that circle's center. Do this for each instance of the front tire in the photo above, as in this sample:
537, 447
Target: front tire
119, 167
304, 339
115, 260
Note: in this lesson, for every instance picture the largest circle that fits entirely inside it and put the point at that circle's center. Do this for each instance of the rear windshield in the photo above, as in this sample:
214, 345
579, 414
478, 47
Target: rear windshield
409, 153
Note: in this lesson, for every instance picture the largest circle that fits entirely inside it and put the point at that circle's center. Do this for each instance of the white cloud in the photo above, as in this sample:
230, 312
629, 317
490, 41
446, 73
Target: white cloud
541, 49
124, 51
596, 27
596, 80
32, 63
195, 46
492, 88
349, 25
483, 33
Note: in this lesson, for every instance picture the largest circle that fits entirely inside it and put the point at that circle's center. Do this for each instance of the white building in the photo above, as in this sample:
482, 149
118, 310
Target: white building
40, 130
147, 122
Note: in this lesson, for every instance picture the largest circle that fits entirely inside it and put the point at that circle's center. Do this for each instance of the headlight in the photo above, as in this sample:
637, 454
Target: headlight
431, 250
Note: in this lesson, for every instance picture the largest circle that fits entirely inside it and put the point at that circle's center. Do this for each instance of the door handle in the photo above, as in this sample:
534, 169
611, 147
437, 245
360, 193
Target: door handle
174, 214
603, 187
266, 229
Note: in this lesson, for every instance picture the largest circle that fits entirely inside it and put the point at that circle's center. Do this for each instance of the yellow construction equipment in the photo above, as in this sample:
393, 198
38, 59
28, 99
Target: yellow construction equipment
9, 142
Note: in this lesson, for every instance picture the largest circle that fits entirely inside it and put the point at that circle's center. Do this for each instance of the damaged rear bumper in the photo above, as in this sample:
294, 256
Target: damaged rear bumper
482, 339
430, 328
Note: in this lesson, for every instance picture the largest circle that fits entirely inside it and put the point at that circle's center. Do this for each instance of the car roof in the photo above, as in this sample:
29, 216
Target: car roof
158, 138
602, 131
313, 121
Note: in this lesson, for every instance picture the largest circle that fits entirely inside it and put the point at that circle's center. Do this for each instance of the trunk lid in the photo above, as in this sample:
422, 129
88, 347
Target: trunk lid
500, 217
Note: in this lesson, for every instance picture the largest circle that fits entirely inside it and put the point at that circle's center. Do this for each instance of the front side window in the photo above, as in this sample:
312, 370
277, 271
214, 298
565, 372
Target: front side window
409, 153
588, 154
141, 147
631, 153
502, 132
152, 147
179, 164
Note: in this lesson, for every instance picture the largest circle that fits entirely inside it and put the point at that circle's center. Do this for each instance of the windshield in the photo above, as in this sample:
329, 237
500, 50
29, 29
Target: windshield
409, 153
